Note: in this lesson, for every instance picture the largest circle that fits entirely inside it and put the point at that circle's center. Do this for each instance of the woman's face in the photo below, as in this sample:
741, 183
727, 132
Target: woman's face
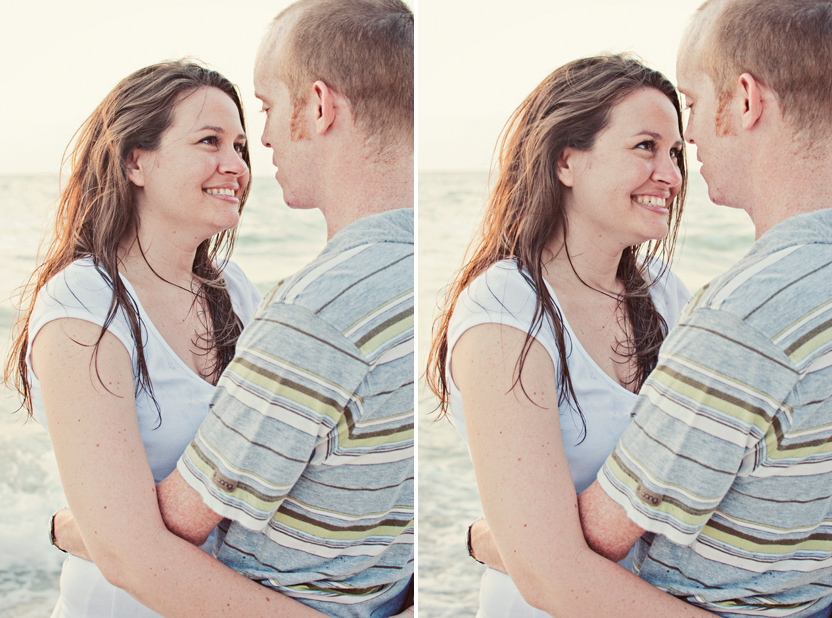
192, 184
620, 190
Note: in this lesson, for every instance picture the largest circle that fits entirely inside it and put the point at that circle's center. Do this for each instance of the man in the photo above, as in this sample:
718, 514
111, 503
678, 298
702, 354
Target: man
308, 449
727, 464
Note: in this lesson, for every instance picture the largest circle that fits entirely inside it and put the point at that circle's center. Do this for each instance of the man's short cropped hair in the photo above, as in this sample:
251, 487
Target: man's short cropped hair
785, 44
361, 48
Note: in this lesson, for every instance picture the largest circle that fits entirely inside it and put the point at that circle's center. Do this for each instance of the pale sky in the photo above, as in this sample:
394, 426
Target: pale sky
479, 59
59, 59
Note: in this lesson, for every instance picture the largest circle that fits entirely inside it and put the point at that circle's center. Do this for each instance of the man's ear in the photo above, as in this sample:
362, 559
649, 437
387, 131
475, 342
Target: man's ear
328, 104
566, 167
135, 167
750, 97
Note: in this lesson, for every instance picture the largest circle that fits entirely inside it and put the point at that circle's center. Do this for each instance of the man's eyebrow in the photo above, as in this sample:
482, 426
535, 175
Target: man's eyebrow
209, 127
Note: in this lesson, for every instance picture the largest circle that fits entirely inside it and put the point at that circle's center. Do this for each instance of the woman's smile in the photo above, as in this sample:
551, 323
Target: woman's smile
225, 193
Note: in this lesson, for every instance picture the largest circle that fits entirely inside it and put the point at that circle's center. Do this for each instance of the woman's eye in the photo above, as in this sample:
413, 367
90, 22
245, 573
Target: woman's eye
676, 153
647, 145
240, 147
211, 139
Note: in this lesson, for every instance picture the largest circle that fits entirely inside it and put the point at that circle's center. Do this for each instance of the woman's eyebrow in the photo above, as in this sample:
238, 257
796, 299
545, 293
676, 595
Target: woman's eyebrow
209, 127
654, 135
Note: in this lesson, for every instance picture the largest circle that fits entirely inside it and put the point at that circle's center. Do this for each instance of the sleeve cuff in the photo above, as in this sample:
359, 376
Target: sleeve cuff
647, 508
217, 492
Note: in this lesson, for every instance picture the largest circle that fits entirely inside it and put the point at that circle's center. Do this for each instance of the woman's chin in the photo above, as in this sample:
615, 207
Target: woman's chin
228, 221
657, 234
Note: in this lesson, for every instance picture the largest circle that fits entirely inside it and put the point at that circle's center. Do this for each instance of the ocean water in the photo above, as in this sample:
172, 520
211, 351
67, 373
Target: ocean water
274, 242
450, 206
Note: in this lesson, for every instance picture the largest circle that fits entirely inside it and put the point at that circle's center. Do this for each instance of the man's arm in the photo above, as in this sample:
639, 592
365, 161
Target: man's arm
183, 511
187, 516
607, 529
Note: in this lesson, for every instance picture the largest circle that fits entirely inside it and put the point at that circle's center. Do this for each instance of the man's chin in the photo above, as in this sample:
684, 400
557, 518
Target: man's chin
294, 203
720, 200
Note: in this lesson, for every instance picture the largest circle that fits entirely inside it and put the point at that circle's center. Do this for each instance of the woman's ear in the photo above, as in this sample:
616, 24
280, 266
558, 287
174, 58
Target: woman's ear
135, 167
566, 167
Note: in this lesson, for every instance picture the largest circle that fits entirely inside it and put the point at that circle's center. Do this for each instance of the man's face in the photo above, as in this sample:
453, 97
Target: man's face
710, 127
286, 133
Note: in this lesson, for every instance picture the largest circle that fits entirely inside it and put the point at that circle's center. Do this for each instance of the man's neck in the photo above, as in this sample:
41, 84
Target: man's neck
792, 184
360, 187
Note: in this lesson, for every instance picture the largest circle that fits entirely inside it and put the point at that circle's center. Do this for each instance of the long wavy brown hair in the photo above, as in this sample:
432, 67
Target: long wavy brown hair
525, 211
97, 212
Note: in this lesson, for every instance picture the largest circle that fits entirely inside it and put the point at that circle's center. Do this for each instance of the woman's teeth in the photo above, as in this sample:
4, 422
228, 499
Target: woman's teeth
650, 200
229, 192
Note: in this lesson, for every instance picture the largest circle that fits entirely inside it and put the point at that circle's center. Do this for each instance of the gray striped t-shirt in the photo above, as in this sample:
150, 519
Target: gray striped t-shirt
728, 460
308, 448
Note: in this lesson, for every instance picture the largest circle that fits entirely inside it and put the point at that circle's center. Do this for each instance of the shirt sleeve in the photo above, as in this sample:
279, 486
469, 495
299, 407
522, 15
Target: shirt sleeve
703, 418
279, 407
80, 292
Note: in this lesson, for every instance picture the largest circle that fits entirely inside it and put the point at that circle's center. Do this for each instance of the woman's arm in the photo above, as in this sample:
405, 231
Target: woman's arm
68, 538
90, 409
605, 525
526, 488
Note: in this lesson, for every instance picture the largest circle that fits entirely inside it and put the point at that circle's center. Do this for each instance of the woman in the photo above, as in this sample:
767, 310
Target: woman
129, 322
555, 322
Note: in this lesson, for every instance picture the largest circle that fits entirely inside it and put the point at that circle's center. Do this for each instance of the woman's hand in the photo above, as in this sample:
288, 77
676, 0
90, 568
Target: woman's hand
67, 535
483, 547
